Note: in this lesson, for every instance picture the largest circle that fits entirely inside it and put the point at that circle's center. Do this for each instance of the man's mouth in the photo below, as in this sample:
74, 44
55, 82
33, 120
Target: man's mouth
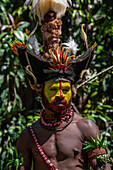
60, 104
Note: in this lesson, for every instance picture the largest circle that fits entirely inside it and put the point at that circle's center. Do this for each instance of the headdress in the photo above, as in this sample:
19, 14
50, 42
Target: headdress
43, 6
59, 64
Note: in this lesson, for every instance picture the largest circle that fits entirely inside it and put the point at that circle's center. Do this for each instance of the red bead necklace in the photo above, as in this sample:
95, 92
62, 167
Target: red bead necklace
55, 121
62, 118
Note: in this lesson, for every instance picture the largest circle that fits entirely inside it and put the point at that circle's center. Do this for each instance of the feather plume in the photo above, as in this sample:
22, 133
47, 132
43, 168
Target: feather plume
43, 6
72, 45
60, 59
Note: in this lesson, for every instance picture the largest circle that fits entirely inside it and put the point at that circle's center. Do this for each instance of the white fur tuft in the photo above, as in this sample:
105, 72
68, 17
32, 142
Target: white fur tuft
72, 45
43, 6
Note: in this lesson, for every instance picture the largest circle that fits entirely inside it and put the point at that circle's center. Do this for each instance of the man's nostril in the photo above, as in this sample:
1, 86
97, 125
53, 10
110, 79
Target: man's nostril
59, 98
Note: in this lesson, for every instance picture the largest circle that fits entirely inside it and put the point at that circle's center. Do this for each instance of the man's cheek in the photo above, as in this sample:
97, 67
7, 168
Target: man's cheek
49, 95
54, 95
68, 97
52, 99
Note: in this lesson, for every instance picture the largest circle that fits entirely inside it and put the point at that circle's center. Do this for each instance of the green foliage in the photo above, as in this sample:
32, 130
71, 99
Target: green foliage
8, 136
12, 122
95, 143
16, 161
98, 143
16, 107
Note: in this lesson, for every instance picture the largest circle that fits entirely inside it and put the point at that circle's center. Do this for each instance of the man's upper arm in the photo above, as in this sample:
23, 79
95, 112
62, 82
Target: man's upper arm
90, 129
23, 147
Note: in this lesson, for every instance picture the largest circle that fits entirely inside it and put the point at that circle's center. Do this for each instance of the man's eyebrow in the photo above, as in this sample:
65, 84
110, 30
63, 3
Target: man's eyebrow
66, 86
54, 85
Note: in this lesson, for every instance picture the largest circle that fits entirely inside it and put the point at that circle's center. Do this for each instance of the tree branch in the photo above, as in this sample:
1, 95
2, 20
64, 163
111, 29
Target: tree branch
98, 74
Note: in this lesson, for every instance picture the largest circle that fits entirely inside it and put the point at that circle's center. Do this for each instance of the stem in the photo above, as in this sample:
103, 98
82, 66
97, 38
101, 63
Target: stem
75, 109
34, 30
6, 16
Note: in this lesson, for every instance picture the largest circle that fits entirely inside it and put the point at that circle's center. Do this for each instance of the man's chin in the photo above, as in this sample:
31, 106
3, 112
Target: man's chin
59, 107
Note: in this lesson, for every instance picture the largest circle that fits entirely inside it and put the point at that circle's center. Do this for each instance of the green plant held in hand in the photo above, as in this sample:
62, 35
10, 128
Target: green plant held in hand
95, 144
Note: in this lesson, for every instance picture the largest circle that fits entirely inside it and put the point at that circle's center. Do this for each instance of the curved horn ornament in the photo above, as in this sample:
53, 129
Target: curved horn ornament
60, 64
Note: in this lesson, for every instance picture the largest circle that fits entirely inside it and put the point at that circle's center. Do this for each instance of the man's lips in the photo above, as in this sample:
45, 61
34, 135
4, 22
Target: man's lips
59, 103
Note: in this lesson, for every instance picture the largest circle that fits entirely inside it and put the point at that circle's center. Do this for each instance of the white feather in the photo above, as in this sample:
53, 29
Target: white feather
43, 6
72, 45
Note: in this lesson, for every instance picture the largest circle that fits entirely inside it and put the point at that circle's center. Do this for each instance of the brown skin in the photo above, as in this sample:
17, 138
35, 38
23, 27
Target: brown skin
62, 147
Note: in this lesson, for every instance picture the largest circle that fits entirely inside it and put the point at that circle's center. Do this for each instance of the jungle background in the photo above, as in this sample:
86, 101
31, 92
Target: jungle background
19, 105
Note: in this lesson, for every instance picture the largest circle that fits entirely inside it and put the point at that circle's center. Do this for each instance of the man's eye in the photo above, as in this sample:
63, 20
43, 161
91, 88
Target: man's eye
53, 89
65, 90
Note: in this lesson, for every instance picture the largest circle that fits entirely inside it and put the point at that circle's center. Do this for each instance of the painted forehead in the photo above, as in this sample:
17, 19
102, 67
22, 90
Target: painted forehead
56, 82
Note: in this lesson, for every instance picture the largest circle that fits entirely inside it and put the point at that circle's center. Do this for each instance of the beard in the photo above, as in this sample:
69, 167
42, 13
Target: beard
57, 105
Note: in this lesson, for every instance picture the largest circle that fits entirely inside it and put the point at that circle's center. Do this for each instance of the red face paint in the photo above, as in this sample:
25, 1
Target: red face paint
61, 94
59, 103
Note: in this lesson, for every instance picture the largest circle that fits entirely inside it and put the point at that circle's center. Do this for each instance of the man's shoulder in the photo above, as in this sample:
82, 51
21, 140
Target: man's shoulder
82, 122
25, 133
86, 123
24, 136
87, 127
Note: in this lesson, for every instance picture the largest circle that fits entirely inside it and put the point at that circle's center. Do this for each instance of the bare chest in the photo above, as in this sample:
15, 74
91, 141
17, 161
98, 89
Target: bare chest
60, 145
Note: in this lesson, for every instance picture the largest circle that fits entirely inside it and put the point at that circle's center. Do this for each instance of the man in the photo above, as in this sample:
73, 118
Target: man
55, 141
63, 143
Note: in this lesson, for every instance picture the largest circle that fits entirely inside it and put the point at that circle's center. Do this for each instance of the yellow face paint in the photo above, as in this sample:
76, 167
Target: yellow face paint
60, 89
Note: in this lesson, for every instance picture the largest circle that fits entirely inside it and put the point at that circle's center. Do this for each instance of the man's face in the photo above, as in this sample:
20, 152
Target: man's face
57, 95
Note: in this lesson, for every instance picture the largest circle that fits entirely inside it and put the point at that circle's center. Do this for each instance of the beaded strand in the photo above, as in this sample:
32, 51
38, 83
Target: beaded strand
40, 150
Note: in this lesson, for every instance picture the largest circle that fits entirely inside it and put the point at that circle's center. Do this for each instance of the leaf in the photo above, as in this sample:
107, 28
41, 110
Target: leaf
74, 13
3, 34
21, 74
17, 82
17, 163
11, 74
102, 140
106, 106
107, 117
81, 12
98, 137
19, 35
10, 162
11, 18
9, 108
94, 94
102, 118
92, 140
30, 117
23, 23
87, 148
91, 144
5, 26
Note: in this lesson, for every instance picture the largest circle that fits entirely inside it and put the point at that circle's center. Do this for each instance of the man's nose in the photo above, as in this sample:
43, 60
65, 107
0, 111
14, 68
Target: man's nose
59, 94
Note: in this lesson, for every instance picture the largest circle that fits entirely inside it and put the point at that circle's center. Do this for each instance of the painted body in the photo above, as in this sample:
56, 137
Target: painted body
64, 148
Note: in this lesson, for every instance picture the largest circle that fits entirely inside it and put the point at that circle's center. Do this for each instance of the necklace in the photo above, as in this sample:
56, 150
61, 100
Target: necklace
52, 123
